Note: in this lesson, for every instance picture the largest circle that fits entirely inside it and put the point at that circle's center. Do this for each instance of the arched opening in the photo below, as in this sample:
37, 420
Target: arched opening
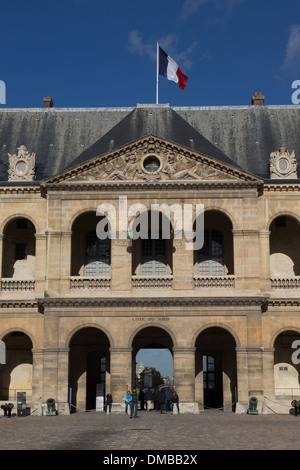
215, 258
284, 247
216, 370
152, 251
287, 365
18, 260
16, 373
89, 369
152, 349
90, 256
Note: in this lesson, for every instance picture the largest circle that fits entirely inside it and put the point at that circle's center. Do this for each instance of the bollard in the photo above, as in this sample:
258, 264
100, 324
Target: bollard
296, 405
252, 410
51, 411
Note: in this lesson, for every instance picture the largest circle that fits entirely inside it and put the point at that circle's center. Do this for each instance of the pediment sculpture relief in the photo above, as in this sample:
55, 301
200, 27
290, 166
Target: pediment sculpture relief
151, 163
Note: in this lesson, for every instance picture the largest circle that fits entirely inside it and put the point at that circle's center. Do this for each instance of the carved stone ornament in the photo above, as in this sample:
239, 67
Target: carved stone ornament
150, 161
22, 165
283, 164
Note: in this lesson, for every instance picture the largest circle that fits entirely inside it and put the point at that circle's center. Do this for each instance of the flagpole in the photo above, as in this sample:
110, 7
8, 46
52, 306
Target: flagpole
157, 70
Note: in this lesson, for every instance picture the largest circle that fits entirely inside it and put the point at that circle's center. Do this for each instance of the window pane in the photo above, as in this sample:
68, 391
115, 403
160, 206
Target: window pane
97, 256
211, 256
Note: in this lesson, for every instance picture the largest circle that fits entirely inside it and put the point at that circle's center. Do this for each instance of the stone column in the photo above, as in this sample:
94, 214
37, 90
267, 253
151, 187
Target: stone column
40, 263
65, 260
120, 375
239, 262
63, 382
268, 371
264, 245
59, 262
183, 268
184, 377
121, 264
50, 356
1, 254
37, 374
242, 375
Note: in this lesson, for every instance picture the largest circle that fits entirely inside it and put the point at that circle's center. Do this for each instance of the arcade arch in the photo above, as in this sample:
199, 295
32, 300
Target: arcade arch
16, 373
19, 249
215, 369
89, 368
286, 364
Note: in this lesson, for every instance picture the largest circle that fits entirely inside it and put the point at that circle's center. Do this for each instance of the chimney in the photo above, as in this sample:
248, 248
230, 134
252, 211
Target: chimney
48, 102
258, 99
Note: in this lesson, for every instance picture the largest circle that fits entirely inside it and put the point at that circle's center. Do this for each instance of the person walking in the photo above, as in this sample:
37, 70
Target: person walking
128, 400
109, 401
175, 401
142, 399
148, 398
155, 399
134, 403
168, 394
161, 401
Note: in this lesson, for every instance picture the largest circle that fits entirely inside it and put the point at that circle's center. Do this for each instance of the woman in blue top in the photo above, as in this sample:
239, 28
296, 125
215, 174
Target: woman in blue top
128, 400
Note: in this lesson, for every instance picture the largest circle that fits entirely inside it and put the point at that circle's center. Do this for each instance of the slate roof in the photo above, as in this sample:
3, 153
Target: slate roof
243, 136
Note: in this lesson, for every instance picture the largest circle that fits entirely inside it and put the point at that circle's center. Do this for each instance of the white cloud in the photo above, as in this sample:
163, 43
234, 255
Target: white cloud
137, 45
170, 43
292, 56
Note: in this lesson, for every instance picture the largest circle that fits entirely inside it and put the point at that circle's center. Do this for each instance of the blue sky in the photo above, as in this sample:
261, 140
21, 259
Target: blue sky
102, 53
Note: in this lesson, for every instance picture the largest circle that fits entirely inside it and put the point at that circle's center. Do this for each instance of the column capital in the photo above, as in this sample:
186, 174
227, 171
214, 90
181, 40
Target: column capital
184, 350
120, 350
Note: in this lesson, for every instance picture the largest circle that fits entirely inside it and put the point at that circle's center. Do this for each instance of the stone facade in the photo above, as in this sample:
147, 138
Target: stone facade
71, 319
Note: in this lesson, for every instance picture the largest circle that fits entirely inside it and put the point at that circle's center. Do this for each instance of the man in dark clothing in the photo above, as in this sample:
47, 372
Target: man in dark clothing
108, 403
161, 400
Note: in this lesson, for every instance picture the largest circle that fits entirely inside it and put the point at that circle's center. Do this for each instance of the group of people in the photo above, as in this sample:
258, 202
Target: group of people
160, 400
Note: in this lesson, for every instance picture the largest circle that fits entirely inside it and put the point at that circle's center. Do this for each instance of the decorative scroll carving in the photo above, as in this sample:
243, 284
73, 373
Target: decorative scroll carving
283, 164
22, 165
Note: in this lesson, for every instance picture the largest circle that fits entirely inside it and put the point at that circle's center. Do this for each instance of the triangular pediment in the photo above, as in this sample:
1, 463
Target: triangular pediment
171, 163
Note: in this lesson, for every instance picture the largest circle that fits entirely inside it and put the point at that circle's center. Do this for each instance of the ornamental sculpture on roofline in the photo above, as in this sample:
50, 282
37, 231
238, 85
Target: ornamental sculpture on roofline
283, 165
22, 165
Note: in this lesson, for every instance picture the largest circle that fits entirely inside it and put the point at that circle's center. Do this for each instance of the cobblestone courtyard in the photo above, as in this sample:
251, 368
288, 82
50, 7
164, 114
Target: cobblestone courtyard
151, 431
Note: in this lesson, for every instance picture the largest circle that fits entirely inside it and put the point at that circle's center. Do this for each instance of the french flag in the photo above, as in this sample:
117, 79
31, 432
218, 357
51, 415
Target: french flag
168, 68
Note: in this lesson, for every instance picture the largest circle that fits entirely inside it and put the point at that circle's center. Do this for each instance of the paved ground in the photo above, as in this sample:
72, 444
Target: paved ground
151, 431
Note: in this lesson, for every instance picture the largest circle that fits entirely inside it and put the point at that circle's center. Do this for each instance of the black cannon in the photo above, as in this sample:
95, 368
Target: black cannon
7, 407
252, 410
51, 410
296, 405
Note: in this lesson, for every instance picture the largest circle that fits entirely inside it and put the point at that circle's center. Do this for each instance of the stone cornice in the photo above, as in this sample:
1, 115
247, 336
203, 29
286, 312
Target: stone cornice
12, 189
152, 186
85, 302
281, 187
39, 304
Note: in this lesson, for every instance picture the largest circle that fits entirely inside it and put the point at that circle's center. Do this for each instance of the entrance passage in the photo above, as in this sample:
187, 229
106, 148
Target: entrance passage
152, 348
216, 376
89, 369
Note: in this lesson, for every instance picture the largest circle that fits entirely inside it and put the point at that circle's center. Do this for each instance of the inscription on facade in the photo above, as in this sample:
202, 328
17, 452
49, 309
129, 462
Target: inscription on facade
142, 319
